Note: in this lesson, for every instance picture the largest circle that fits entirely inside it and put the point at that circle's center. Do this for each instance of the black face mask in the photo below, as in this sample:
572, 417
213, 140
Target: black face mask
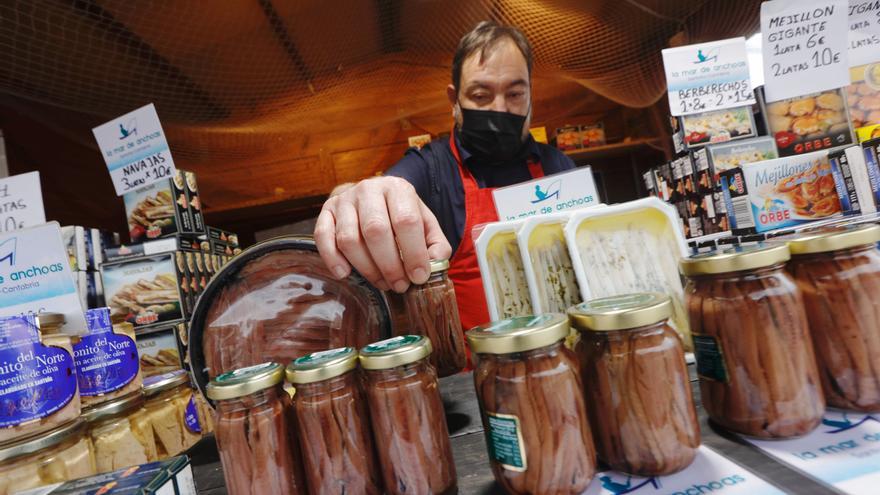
493, 137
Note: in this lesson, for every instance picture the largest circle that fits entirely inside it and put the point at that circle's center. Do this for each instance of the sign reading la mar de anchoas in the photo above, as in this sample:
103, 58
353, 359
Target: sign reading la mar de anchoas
551, 194
135, 149
708, 76
864, 32
804, 46
35, 275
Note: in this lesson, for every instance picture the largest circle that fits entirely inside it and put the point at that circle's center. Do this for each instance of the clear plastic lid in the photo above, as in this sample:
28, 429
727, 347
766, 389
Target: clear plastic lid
277, 301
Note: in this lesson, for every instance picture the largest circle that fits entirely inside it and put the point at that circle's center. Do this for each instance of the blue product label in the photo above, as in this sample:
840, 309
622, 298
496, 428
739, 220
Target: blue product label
105, 361
36, 380
191, 416
873, 171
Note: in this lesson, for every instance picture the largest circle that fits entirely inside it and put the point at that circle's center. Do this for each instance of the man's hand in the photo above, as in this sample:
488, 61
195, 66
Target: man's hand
382, 228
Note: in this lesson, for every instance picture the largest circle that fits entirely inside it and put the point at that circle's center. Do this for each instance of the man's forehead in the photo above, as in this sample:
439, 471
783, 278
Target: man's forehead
501, 61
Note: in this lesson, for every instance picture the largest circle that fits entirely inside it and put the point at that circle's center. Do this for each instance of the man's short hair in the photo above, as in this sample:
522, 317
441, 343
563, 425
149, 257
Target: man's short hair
483, 38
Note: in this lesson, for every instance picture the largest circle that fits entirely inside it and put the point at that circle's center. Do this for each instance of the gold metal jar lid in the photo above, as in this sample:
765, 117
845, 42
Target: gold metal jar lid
157, 384
112, 408
520, 334
621, 312
394, 352
50, 322
41, 441
735, 259
245, 381
828, 239
320, 366
439, 266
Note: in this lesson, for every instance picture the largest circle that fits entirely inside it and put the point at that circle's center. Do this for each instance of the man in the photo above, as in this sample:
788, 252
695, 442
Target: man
426, 206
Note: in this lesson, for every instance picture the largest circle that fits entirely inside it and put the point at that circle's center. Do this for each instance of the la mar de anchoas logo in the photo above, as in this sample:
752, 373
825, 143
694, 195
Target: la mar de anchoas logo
844, 424
128, 130
711, 56
622, 487
7, 251
552, 191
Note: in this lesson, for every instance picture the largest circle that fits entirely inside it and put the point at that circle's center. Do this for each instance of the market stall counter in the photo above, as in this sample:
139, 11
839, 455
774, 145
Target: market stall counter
472, 461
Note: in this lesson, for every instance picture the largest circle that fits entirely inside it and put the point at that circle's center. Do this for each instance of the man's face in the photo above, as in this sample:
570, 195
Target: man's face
499, 81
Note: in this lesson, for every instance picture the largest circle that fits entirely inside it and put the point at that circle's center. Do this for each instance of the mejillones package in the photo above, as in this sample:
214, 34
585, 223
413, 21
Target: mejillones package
276, 301
37, 362
627, 248
502, 270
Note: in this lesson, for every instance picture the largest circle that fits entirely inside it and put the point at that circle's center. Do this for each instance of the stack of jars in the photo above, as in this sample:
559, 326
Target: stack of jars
779, 328
316, 433
531, 388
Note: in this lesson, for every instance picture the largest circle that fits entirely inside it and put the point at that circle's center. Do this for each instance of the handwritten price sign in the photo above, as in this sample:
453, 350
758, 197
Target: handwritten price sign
21, 202
864, 32
708, 76
805, 46
135, 149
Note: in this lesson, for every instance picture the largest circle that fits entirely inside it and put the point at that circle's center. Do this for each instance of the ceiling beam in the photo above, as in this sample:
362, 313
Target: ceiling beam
279, 29
155, 62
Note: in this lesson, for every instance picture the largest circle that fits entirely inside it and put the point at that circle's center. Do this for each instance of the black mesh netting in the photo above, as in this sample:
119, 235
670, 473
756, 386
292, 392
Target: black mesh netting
234, 79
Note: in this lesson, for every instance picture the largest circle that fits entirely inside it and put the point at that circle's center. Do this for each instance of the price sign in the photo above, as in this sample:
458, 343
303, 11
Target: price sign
35, 275
708, 76
135, 149
21, 202
864, 32
805, 47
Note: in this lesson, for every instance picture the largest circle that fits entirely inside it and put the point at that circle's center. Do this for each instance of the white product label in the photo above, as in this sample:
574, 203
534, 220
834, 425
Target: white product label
35, 275
843, 452
710, 472
708, 76
805, 46
21, 202
135, 149
551, 194
864, 32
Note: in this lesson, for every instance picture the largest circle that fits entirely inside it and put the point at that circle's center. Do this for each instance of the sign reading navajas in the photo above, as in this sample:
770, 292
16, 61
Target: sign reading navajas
35, 275
708, 76
551, 194
135, 149
805, 46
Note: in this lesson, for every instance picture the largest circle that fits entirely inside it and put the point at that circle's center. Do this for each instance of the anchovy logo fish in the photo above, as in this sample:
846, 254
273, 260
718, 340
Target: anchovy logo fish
552, 192
7, 251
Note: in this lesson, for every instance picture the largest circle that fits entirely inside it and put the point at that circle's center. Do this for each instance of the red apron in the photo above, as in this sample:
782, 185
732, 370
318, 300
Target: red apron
479, 208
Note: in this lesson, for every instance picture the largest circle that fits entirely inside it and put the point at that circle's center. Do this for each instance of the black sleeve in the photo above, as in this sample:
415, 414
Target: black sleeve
413, 168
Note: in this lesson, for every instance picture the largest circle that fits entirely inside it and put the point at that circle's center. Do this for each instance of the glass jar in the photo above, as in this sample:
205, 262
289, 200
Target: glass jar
433, 312
107, 365
172, 412
121, 433
633, 370
60, 455
333, 424
258, 449
406, 413
758, 375
33, 349
838, 271
532, 405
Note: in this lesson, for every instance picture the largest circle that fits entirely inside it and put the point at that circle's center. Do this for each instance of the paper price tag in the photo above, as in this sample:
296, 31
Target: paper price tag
805, 47
864, 32
708, 76
135, 149
21, 202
